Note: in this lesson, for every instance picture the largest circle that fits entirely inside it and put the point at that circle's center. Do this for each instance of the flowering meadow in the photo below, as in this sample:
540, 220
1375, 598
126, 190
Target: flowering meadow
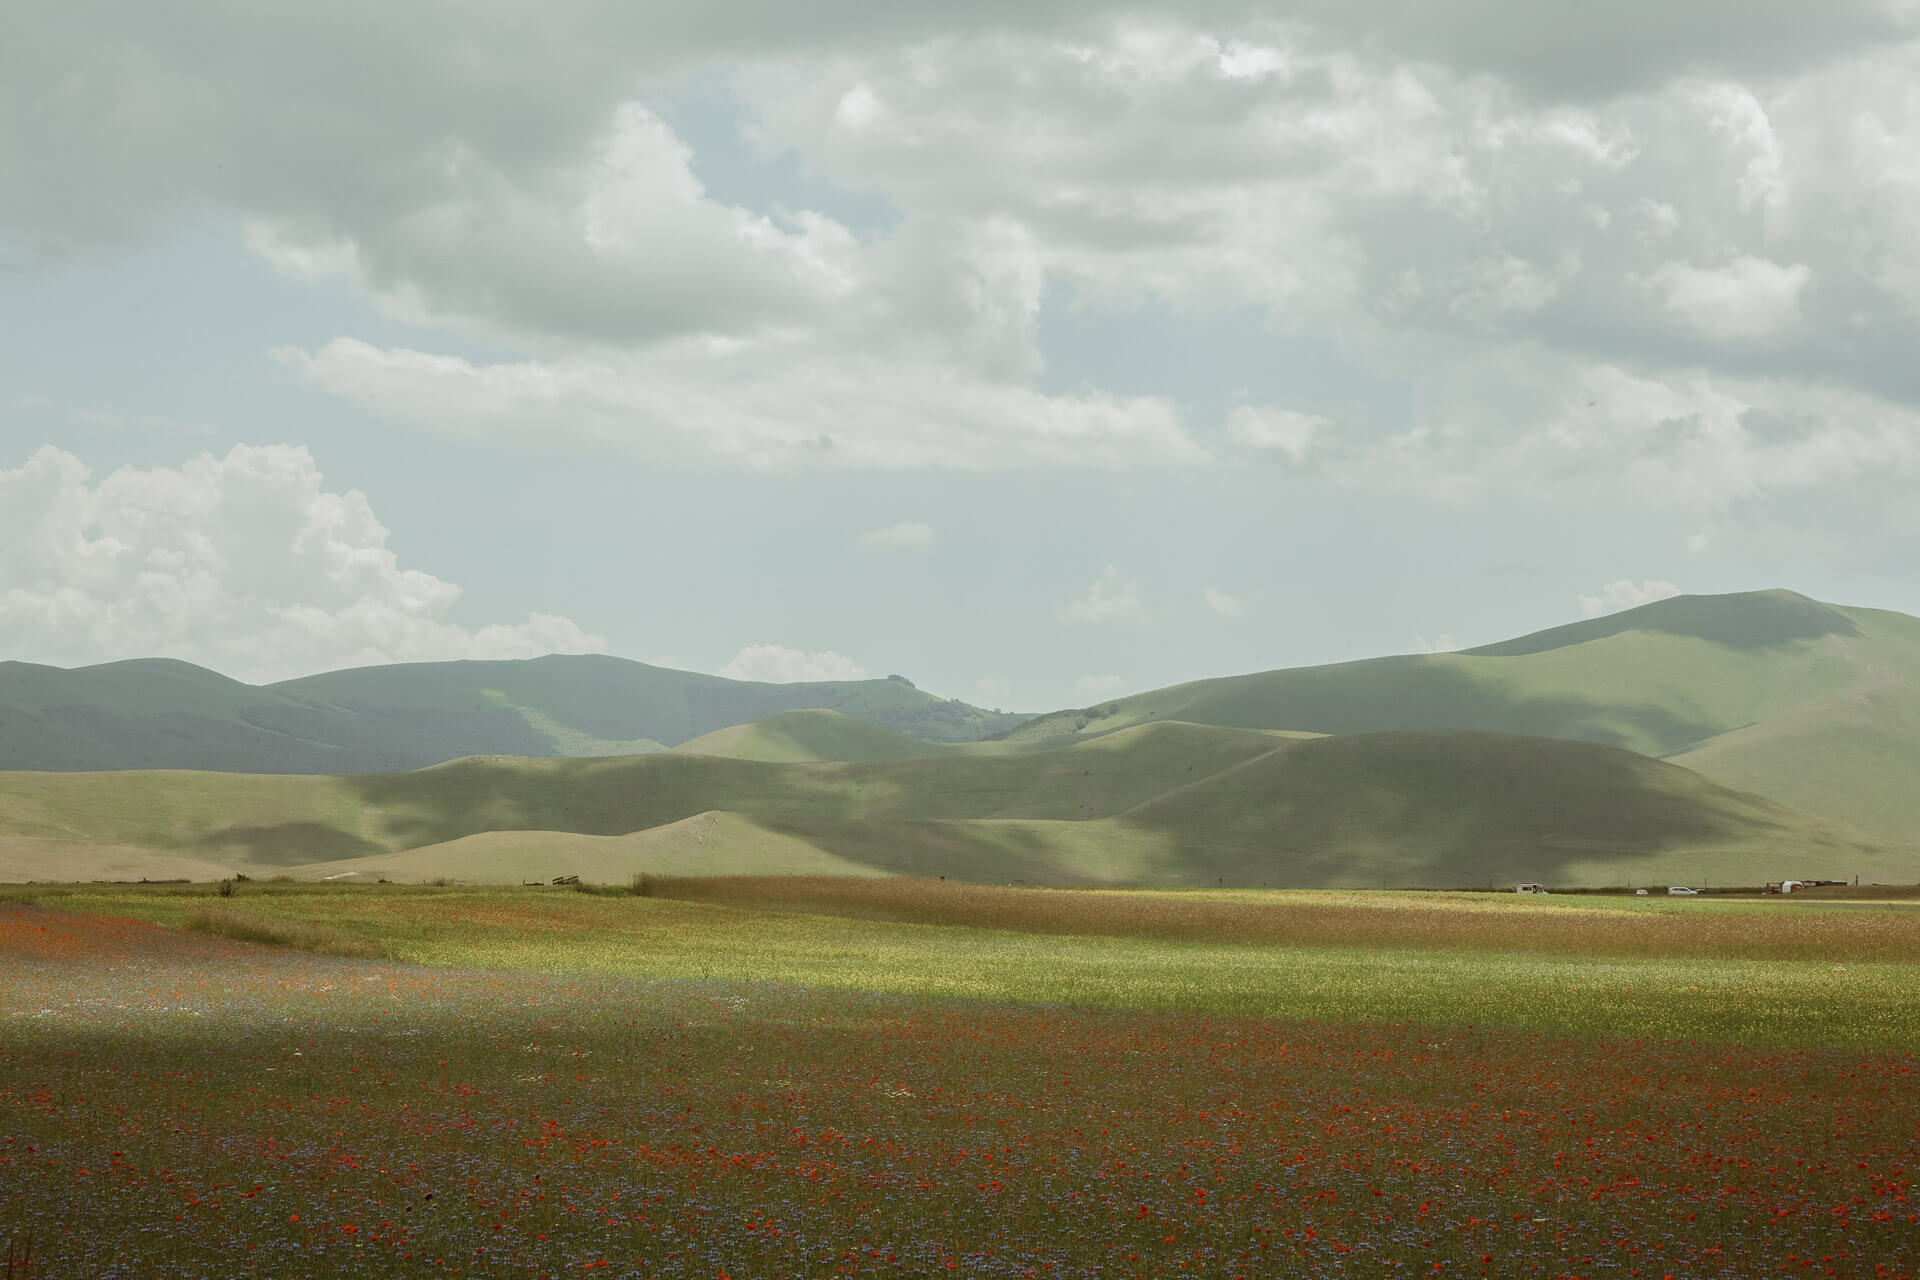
180, 1105
1826, 976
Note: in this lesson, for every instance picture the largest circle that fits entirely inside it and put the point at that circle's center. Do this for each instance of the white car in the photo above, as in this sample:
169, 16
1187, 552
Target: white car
1681, 891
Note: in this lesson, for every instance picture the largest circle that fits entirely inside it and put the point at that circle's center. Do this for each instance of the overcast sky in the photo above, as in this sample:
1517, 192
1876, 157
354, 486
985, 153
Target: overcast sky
1036, 352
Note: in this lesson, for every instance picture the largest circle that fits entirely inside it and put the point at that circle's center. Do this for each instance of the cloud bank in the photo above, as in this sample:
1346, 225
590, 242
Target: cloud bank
246, 564
776, 664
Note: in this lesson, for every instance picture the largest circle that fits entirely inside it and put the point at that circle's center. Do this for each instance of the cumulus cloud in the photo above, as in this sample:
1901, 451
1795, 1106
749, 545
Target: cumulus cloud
1441, 643
1407, 206
1748, 298
1625, 594
1225, 604
1282, 431
1108, 598
625, 247
776, 664
907, 535
1675, 195
1587, 53
1687, 440
245, 563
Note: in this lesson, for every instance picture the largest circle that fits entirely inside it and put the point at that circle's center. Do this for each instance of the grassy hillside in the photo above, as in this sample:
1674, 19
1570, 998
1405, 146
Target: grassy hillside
1166, 804
163, 714
795, 736
707, 844
277, 821
610, 701
1813, 705
1456, 809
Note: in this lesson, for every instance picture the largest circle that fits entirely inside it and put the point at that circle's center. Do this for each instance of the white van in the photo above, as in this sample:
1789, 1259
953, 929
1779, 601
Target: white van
1681, 891
1529, 888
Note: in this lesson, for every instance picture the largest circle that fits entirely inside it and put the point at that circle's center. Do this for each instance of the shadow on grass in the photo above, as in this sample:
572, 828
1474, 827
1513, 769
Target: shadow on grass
290, 844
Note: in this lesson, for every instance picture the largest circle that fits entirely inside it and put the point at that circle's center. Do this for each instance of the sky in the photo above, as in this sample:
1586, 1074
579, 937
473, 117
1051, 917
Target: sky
1037, 353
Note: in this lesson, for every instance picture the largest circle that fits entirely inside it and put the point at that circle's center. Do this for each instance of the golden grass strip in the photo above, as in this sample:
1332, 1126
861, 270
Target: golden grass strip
242, 926
1786, 933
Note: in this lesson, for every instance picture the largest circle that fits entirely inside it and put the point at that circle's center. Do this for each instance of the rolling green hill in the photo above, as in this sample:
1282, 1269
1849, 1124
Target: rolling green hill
706, 844
1161, 804
1809, 704
796, 736
160, 713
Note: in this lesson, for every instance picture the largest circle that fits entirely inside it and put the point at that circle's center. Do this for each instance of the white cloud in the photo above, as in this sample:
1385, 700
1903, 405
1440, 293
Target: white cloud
1441, 643
623, 247
1625, 594
907, 535
768, 404
1437, 190
1108, 598
246, 564
1224, 604
1748, 298
1736, 112
775, 664
1404, 206
1687, 441
1095, 688
1285, 431
1659, 218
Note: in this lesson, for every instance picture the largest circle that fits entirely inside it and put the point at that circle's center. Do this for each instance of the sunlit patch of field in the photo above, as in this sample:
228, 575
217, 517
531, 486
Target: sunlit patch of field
1787, 977
175, 1104
1533, 924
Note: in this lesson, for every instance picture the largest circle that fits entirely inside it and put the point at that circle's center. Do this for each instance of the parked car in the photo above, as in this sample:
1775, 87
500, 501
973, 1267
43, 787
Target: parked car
1529, 888
1641, 892
1681, 891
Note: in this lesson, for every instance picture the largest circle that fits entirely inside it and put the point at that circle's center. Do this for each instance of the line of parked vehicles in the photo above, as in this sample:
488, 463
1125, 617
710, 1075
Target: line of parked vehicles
1684, 891
1673, 890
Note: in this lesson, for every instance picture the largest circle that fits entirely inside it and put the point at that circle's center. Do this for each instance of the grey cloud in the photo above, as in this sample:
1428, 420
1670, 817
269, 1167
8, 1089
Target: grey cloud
1588, 50
451, 147
1368, 184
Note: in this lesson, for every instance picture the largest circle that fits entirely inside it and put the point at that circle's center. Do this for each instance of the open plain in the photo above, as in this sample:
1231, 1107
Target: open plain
914, 1079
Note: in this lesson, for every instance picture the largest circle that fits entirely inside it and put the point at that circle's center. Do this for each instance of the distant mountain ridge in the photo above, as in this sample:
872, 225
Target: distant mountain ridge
161, 713
1813, 705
